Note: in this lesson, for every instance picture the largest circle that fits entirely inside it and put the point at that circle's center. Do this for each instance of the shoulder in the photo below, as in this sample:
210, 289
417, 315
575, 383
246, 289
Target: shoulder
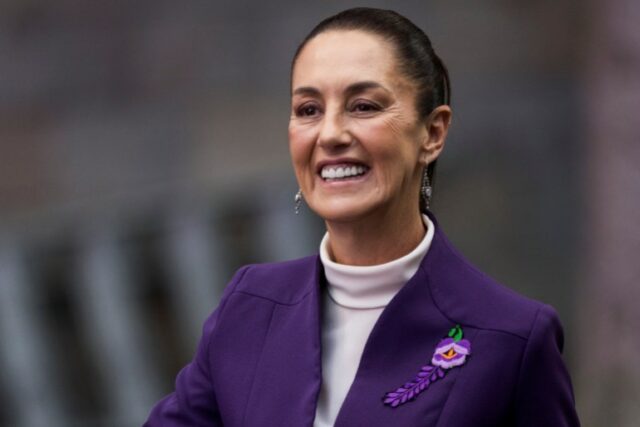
467, 295
517, 336
286, 282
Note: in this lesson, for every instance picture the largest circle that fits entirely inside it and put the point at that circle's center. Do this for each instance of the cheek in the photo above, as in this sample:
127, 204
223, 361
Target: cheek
301, 150
393, 147
297, 144
387, 140
399, 124
376, 135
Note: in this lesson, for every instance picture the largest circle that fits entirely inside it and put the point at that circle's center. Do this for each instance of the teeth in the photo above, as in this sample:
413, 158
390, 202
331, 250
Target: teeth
333, 172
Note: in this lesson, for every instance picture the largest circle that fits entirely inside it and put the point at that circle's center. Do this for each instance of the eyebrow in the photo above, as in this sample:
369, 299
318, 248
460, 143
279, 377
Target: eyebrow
350, 90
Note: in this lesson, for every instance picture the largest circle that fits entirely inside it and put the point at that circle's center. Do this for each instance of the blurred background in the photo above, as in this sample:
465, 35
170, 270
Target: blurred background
144, 158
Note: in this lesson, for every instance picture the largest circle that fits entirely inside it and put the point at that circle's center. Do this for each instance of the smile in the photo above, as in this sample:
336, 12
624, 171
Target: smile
342, 172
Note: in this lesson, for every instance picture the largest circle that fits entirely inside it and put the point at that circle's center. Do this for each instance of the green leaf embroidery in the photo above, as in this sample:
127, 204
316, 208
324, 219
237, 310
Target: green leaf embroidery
456, 333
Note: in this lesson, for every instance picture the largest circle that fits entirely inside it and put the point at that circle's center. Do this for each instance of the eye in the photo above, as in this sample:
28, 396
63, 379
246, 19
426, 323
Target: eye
307, 110
365, 107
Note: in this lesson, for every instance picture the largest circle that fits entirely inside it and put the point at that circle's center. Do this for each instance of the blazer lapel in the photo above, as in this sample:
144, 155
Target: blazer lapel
401, 342
289, 369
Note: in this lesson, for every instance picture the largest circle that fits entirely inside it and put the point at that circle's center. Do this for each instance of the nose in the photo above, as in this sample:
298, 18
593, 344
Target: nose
334, 132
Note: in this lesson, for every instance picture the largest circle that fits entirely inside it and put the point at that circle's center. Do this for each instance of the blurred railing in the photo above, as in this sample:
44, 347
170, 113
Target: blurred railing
98, 314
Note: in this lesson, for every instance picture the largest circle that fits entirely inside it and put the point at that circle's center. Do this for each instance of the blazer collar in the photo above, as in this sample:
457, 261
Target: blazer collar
402, 340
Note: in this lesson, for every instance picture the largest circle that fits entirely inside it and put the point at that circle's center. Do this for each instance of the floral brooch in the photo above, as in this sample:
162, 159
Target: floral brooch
450, 352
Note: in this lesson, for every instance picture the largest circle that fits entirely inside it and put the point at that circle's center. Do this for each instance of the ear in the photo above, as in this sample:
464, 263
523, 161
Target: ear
436, 126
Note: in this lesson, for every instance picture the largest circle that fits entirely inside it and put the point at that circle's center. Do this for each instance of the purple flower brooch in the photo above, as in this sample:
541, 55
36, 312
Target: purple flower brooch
450, 352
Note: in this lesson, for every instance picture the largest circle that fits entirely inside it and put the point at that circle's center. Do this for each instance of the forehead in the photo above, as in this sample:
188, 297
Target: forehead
339, 57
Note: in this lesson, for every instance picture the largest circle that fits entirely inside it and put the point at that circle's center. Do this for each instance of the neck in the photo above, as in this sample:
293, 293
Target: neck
373, 240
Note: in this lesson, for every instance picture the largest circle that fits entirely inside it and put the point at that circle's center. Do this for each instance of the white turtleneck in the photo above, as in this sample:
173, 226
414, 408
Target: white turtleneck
353, 301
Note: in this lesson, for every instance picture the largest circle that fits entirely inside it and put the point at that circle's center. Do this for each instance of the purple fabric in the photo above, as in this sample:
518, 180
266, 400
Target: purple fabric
259, 360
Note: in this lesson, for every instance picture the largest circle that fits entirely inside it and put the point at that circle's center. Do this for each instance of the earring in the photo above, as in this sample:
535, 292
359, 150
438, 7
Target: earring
297, 201
426, 190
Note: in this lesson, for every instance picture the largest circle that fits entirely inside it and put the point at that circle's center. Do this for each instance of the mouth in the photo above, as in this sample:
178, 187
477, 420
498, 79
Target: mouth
343, 171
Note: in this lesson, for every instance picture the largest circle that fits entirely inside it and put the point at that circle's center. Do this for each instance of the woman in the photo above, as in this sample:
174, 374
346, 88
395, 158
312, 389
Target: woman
389, 325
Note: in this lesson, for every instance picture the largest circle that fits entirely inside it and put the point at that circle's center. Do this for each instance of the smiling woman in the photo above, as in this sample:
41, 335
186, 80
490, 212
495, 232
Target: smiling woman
357, 334
353, 107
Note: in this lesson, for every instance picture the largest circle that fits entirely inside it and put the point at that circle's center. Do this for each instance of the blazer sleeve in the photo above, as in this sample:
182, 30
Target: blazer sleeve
193, 403
544, 395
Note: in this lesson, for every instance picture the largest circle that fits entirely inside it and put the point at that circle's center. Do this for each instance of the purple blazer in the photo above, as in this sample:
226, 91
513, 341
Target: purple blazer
259, 360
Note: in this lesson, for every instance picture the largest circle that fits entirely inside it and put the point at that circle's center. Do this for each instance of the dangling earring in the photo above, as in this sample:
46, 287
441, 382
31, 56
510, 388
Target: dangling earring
297, 201
426, 190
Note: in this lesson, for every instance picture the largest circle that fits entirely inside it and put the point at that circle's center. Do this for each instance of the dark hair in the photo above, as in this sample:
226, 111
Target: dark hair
415, 55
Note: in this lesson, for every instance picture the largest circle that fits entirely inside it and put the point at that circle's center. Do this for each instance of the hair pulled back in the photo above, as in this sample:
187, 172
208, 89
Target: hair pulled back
413, 50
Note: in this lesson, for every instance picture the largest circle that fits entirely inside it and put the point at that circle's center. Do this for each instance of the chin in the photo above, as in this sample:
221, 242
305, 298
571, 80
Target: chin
342, 211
